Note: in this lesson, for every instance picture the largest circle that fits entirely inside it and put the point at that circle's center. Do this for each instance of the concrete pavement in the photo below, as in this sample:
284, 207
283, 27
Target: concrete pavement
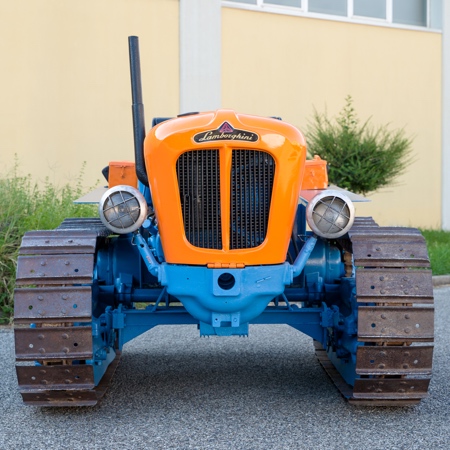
174, 390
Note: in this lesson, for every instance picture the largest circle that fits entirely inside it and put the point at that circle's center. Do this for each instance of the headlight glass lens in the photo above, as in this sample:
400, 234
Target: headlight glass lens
122, 209
330, 214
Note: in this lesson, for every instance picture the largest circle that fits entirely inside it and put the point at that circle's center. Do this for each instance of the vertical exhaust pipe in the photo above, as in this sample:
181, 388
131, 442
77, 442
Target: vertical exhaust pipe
138, 109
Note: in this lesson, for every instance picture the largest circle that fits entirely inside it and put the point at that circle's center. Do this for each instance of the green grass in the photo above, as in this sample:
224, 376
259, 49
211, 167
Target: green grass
25, 206
438, 243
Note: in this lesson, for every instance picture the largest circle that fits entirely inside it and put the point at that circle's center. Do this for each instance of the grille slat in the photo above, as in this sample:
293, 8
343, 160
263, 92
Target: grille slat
199, 184
252, 175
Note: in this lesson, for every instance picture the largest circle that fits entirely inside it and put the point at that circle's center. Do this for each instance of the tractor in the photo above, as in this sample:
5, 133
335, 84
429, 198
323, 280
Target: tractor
222, 222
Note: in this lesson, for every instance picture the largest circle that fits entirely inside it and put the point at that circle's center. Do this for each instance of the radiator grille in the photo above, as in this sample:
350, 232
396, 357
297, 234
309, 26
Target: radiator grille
252, 176
199, 184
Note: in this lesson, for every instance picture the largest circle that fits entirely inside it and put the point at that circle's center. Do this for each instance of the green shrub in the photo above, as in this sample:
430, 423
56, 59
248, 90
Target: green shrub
27, 206
360, 158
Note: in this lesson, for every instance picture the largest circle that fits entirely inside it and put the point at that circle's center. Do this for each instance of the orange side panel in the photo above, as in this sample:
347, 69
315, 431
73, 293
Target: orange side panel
316, 175
122, 172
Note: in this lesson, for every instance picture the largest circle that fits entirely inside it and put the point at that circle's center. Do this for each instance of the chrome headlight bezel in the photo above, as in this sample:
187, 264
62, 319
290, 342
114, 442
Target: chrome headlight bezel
122, 209
330, 214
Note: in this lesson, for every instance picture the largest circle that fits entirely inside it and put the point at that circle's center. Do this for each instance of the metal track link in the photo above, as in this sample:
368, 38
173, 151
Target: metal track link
395, 317
53, 293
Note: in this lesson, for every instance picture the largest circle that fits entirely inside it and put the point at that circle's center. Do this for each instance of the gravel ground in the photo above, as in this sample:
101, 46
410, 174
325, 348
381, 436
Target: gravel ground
174, 390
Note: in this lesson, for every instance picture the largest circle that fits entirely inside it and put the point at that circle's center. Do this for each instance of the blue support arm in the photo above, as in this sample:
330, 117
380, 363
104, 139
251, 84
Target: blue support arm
302, 258
147, 255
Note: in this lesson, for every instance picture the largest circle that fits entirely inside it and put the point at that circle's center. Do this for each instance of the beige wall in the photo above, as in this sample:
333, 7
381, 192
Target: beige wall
284, 65
64, 80
65, 94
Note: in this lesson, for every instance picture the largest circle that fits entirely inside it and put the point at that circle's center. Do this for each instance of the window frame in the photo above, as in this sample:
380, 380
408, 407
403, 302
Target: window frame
303, 11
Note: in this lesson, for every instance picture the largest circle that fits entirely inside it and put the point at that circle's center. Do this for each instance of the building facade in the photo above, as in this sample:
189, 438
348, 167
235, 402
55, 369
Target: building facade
67, 98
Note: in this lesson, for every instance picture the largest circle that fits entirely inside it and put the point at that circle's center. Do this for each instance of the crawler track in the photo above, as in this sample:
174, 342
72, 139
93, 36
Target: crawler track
395, 317
53, 292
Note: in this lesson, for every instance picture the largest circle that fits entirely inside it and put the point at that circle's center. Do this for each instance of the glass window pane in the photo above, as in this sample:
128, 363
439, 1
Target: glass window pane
436, 14
410, 12
337, 7
297, 3
370, 8
252, 2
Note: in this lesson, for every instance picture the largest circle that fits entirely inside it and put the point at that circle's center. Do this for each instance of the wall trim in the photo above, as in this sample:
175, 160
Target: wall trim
200, 55
445, 200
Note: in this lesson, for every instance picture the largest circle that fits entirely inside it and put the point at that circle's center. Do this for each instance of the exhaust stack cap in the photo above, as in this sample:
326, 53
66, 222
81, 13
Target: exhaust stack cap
122, 209
330, 214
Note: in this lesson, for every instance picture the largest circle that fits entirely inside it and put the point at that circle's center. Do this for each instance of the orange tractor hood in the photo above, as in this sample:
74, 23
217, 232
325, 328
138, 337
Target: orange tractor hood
239, 150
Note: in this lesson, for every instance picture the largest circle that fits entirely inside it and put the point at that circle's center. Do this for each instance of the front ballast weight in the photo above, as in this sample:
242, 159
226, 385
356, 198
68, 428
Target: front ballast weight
221, 243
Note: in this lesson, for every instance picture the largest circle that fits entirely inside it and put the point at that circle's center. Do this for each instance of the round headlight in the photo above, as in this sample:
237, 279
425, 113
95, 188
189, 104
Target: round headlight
122, 209
330, 214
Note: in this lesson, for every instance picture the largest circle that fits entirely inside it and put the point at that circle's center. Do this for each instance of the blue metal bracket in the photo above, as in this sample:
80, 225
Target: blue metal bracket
226, 320
147, 255
118, 318
132, 323
328, 316
207, 330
